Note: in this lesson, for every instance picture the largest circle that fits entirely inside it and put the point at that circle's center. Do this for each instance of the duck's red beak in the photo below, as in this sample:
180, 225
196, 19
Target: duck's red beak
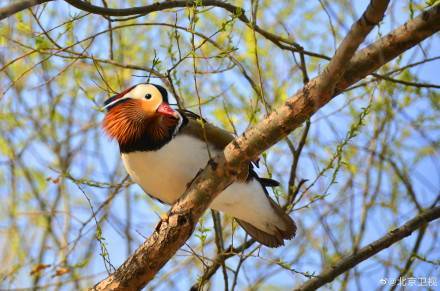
166, 109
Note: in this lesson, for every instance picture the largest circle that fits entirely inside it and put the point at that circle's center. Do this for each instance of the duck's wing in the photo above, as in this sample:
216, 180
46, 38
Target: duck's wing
218, 138
199, 128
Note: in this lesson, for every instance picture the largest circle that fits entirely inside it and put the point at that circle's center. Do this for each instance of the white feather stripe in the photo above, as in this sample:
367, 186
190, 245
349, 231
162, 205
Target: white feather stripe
165, 173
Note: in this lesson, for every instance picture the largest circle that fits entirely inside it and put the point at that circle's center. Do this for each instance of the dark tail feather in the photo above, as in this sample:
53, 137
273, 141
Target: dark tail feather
266, 182
262, 237
280, 234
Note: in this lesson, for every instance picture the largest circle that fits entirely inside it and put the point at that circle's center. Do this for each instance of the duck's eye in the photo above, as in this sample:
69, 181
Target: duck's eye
148, 96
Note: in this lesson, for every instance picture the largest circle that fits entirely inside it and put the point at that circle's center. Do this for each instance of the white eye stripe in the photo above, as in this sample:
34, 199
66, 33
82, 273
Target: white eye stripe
139, 92
114, 102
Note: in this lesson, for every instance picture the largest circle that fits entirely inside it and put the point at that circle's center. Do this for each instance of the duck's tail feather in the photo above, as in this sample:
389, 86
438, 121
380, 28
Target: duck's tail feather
277, 234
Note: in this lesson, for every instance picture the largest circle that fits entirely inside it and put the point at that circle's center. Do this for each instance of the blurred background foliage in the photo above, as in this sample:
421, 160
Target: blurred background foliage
69, 214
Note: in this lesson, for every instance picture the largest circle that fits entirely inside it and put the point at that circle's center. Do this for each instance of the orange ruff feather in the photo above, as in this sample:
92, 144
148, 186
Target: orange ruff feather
128, 122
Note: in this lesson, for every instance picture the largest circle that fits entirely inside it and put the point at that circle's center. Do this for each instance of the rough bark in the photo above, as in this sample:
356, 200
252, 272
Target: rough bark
19, 6
172, 232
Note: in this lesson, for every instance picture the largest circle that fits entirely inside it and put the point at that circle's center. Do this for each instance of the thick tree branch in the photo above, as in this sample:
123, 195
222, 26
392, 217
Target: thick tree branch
390, 46
370, 250
360, 29
19, 6
171, 233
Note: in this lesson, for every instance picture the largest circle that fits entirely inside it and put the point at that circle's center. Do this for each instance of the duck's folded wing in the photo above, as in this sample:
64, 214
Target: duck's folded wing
205, 131
216, 137
219, 138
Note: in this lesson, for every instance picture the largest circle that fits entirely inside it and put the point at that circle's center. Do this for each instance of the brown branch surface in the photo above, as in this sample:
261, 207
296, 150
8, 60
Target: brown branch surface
370, 250
19, 6
360, 29
172, 232
158, 6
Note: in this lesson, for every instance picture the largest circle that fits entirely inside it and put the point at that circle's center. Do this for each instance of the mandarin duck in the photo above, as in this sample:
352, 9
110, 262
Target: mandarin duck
163, 148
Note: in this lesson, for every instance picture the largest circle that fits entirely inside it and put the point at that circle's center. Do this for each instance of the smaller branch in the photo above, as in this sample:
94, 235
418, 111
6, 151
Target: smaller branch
407, 83
110, 35
236, 11
387, 76
370, 250
292, 192
412, 256
398, 70
45, 32
303, 67
219, 261
158, 6
220, 244
406, 182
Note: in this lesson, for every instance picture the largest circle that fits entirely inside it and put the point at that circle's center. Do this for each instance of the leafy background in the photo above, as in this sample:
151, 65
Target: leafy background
69, 214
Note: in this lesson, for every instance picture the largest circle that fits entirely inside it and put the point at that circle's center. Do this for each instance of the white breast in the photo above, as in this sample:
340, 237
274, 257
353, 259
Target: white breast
165, 173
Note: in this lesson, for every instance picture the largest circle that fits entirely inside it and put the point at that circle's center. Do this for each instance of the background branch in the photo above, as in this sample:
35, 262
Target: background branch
370, 250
